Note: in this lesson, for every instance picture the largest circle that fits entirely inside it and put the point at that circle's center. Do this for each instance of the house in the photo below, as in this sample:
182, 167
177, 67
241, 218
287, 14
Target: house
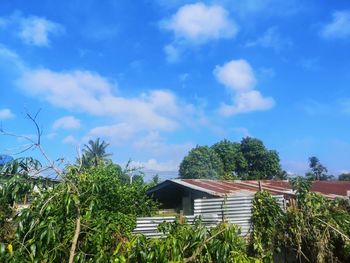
179, 194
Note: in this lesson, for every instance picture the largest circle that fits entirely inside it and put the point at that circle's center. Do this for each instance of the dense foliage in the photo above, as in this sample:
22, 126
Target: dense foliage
232, 158
93, 203
312, 229
187, 243
249, 159
201, 162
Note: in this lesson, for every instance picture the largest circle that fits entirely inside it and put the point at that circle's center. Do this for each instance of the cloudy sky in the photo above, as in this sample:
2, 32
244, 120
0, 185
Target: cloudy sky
154, 78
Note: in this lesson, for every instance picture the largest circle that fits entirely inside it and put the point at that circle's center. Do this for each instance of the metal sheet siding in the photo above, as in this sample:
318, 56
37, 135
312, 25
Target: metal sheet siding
236, 210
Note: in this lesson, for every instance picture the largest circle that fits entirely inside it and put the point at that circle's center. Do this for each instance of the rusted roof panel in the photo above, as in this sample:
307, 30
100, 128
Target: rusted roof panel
236, 187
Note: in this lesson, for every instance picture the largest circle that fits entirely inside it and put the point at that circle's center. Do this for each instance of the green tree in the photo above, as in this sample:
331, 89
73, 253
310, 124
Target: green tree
344, 177
318, 171
261, 162
201, 162
231, 157
83, 218
94, 153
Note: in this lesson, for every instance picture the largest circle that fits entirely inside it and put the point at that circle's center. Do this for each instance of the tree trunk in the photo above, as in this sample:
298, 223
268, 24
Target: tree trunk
75, 237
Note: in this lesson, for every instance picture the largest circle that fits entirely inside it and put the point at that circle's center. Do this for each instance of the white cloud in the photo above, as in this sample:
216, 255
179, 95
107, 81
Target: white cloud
36, 30
6, 114
32, 30
247, 102
67, 122
339, 27
198, 23
116, 133
271, 39
238, 76
91, 93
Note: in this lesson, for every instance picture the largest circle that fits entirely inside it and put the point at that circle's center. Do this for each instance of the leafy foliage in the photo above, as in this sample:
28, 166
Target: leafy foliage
261, 163
318, 171
187, 243
201, 162
267, 219
94, 153
104, 207
314, 229
231, 156
247, 160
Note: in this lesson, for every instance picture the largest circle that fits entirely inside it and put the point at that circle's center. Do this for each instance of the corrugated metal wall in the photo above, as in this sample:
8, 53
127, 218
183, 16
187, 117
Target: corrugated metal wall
148, 226
236, 210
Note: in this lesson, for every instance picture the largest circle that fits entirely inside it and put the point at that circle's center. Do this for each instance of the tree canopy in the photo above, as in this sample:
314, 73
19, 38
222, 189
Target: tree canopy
249, 159
231, 156
201, 162
317, 170
261, 162
94, 153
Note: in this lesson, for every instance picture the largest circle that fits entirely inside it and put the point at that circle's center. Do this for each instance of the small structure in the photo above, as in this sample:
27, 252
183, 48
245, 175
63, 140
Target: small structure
180, 194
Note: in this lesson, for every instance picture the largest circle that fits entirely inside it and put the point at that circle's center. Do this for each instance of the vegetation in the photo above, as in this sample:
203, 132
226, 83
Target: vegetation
94, 153
344, 177
314, 229
228, 160
187, 243
317, 170
89, 214
201, 162
93, 209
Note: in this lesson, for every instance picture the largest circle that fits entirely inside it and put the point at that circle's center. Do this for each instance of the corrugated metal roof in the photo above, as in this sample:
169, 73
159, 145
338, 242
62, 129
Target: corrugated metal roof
222, 188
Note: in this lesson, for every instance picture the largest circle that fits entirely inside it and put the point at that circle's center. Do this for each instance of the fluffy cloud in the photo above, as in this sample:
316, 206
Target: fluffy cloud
6, 114
199, 23
238, 77
32, 30
339, 27
89, 92
67, 122
196, 24
247, 102
271, 39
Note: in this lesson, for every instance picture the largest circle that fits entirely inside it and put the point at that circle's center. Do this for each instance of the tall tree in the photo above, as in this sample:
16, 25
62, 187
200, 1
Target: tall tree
231, 157
344, 177
261, 162
318, 171
201, 162
94, 153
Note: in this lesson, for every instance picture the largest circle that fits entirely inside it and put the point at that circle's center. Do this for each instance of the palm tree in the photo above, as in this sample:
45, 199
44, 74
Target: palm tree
94, 153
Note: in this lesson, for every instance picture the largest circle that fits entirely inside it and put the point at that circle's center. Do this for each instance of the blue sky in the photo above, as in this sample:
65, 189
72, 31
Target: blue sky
155, 78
